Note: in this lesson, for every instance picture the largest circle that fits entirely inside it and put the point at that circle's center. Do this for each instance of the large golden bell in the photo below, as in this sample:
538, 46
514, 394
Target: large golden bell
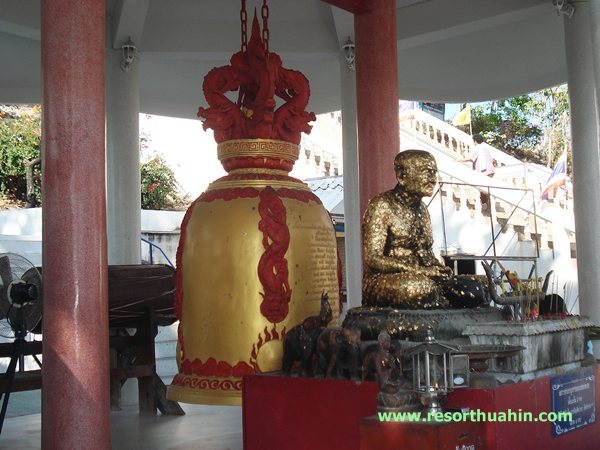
256, 251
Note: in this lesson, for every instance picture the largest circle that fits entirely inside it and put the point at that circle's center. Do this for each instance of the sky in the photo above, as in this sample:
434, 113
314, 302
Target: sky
452, 109
189, 150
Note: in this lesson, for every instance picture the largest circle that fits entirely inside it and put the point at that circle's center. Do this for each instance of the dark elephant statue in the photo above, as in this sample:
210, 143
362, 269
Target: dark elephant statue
339, 353
300, 343
371, 354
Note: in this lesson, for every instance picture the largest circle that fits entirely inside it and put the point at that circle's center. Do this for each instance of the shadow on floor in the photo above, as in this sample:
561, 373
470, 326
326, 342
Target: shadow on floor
202, 428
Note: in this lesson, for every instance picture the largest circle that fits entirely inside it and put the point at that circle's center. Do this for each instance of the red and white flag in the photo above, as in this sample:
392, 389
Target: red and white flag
558, 177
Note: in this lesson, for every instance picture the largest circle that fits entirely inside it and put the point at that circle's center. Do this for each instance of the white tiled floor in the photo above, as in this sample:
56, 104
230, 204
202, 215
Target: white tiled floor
202, 428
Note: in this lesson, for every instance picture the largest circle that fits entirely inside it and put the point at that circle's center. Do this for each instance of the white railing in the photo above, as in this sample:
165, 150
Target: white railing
457, 144
512, 196
454, 141
523, 212
324, 161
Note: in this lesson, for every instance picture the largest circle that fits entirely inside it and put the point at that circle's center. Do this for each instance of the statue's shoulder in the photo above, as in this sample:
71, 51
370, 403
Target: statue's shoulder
382, 205
383, 199
377, 205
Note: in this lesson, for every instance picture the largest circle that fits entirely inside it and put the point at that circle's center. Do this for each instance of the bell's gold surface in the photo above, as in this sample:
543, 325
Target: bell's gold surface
400, 267
228, 325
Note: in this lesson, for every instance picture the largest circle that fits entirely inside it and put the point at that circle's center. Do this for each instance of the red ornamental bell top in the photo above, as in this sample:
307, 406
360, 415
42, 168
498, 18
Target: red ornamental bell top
259, 76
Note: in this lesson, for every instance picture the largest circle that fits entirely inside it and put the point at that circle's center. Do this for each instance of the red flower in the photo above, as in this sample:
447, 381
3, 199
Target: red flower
153, 186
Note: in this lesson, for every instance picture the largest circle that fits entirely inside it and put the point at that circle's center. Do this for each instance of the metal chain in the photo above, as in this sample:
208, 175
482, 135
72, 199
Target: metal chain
244, 22
265, 31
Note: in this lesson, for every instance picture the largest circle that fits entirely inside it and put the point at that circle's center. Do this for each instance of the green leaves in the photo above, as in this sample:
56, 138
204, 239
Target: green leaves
159, 187
507, 125
19, 142
532, 127
20, 136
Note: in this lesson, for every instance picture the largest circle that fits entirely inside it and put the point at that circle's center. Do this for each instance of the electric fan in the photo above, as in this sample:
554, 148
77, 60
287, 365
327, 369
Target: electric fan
20, 288
21, 308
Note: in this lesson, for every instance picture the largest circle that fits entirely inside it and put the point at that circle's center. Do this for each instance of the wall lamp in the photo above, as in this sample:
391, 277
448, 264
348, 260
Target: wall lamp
349, 53
129, 51
564, 7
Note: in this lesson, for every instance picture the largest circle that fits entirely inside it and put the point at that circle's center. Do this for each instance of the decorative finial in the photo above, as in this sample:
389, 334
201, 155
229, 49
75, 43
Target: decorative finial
259, 77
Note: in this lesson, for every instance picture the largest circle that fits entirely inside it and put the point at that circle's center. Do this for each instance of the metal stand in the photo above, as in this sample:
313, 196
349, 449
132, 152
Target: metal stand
17, 355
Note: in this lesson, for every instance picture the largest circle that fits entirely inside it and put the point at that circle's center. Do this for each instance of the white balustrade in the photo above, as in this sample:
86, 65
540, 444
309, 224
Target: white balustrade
510, 172
319, 158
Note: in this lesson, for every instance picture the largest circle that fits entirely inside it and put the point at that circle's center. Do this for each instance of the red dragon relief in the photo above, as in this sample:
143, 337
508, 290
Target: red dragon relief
272, 266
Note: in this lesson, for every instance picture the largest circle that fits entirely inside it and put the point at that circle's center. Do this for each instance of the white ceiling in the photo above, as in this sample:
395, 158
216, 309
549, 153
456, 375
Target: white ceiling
448, 50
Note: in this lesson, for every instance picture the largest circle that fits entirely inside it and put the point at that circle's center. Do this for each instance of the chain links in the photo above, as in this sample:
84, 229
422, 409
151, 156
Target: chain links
244, 22
265, 31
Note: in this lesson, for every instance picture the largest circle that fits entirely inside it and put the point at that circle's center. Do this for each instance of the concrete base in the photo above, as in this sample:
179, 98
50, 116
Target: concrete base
510, 378
548, 343
412, 324
202, 427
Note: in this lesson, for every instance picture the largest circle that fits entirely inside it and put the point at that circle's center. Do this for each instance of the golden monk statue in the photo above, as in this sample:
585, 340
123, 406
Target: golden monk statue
400, 267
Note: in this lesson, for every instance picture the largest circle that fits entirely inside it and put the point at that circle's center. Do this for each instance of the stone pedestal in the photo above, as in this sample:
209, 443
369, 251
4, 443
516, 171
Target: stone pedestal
306, 413
548, 343
412, 324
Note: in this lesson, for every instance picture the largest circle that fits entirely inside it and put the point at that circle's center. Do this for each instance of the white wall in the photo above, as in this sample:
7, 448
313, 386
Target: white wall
21, 233
470, 233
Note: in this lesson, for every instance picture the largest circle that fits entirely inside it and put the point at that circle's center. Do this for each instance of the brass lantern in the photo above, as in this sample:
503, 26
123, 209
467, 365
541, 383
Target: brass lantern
432, 372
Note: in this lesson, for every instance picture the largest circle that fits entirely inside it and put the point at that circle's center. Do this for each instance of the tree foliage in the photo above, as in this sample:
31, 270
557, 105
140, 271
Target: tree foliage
532, 127
506, 124
160, 189
20, 137
19, 145
554, 114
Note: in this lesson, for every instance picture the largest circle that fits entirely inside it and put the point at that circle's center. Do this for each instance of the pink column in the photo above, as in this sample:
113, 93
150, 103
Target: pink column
75, 393
376, 98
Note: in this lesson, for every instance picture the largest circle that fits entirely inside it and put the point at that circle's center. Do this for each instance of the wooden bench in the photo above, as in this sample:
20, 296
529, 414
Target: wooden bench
140, 299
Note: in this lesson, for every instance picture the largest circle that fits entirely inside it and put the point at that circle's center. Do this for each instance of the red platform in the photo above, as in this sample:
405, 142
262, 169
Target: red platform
311, 414
533, 396
304, 413
378, 435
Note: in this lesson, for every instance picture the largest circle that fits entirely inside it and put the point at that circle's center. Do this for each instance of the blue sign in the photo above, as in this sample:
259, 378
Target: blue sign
574, 393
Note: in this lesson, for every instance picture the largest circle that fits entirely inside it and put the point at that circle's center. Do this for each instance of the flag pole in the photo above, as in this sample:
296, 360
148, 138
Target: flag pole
470, 120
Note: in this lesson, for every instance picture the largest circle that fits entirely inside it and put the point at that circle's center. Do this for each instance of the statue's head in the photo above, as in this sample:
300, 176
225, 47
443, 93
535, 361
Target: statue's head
416, 172
384, 340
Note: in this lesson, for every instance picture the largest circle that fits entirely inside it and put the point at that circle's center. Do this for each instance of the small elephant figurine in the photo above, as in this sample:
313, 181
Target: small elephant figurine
339, 353
374, 354
300, 343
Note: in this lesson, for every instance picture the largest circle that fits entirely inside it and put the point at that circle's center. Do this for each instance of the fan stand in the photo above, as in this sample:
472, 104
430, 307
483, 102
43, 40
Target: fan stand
17, 355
